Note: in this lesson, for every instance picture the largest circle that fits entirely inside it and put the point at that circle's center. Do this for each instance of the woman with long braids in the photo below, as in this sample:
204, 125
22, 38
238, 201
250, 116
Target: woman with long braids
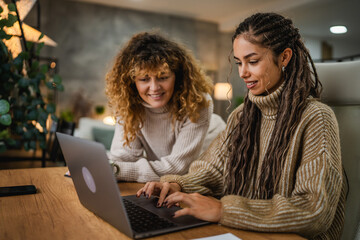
277, 166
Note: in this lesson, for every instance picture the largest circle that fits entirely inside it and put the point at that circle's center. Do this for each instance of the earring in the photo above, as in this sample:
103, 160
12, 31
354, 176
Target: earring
283, 68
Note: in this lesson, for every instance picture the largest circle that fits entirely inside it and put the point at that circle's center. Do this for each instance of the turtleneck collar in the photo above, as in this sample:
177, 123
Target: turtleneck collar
268, 104
156, 110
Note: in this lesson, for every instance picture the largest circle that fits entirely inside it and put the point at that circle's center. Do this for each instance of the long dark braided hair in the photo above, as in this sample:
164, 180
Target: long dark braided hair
276, 33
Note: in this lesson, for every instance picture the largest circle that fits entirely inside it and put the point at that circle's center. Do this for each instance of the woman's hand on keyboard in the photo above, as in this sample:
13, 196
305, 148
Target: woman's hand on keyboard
202, 207
161, 189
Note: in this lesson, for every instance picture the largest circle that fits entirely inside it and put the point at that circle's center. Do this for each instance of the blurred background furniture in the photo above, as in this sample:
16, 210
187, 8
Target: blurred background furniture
341, 85
95, 130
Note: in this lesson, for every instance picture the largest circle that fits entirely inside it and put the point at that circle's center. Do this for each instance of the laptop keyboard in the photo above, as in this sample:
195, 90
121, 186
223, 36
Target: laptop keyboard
142, 220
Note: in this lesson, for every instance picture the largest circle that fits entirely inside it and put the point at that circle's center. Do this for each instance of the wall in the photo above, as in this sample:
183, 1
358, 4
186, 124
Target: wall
89, 36
344, 48
340, 48
314, 46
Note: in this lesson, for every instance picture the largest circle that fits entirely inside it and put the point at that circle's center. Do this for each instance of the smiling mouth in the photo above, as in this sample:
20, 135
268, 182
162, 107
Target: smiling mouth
156, 95
251, 84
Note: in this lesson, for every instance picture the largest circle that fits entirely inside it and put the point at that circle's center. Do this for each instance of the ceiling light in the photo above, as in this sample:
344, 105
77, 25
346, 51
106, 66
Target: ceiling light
338, 29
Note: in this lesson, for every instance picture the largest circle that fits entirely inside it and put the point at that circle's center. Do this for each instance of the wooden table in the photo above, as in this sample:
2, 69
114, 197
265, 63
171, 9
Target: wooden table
55, 212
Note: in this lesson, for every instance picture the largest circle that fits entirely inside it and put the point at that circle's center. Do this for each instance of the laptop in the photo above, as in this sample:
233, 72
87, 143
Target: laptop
98, 191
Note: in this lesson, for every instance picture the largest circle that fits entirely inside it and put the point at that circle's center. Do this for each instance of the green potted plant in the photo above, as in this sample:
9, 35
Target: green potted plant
24, 107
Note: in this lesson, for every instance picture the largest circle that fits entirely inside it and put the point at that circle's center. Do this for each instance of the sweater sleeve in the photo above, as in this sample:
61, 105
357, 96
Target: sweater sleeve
186, 148
119, 152
206, 174
310, 208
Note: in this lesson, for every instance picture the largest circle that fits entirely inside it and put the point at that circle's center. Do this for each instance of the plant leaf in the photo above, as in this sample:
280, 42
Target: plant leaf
26, 146
11, 7
3, 22
54, 117
39, 47
28, 134
18, 62
57, 79
37, 101
43, 115
2, 147
40, 76
44, 68
3, 48
11, 20
32, 115
23, 82
29, 44
4, 106
50, 85
50, 108
32, 145
10, 142
4, 134
3, 35
19, 130
42, 144
5, 119
25, 55
34, 66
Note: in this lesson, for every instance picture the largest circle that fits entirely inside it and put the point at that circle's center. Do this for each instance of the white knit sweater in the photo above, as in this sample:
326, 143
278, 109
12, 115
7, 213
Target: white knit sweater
160, 147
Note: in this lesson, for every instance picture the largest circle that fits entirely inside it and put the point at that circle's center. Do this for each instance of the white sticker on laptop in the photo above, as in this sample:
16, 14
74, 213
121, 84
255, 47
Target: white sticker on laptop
89, 179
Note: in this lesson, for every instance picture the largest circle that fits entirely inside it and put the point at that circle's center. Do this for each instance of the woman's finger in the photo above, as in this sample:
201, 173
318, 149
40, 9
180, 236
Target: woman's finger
183, 212
178, 197
142, 190
150, 189
164, 192
139, 192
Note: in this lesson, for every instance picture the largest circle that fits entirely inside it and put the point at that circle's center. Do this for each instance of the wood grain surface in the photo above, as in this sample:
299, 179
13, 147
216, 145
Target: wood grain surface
55, 212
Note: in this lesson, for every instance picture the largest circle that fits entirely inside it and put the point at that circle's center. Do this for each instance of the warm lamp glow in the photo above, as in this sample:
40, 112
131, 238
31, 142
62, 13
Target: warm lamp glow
53, 64
223, 91
109, 120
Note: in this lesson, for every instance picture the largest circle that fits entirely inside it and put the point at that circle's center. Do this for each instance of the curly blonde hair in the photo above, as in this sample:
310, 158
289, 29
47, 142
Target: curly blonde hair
148, 51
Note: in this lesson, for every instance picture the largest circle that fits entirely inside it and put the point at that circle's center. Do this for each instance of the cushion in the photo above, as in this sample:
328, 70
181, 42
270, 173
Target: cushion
86, 125
103, 136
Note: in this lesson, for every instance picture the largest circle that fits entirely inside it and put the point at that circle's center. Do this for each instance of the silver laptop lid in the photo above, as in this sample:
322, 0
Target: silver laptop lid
97, 190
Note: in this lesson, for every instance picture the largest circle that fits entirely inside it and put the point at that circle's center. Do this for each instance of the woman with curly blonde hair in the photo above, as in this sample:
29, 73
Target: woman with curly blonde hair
162, 103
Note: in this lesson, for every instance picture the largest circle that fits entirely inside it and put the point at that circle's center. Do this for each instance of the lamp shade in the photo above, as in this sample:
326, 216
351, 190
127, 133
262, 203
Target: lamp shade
223, 91
30, 33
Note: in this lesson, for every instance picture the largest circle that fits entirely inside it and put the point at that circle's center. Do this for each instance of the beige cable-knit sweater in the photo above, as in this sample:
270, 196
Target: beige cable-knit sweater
168, 148
311, 196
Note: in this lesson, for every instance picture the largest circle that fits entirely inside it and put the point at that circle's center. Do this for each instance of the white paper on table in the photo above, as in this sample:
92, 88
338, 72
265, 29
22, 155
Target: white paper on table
226, 236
